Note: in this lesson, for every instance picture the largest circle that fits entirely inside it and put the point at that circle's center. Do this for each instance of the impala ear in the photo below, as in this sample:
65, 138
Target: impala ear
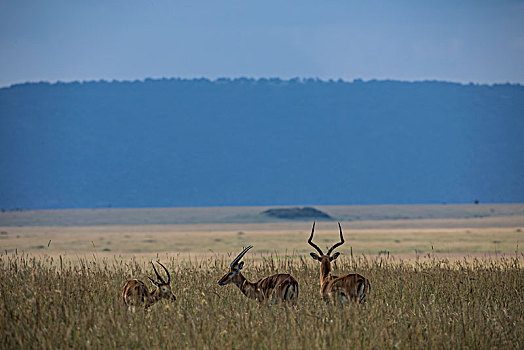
154, 283
315, 256
334, 256
237, 267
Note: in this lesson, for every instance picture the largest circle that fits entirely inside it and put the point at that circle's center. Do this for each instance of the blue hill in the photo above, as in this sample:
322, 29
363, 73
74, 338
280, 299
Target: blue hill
174, 142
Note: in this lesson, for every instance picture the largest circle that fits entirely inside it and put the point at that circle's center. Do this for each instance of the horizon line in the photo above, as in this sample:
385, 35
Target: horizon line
256, 80
15, 210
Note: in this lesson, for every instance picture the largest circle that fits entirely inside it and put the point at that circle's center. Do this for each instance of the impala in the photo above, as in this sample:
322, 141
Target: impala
348, 287
135, 291
278, 288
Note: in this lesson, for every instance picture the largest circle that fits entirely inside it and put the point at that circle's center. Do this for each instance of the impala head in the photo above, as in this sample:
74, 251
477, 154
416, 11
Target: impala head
233, 275
163, 287
325, 259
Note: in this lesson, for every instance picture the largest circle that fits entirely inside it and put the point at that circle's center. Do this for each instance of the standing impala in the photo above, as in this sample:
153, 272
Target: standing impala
278, 288
135, 291
348, 287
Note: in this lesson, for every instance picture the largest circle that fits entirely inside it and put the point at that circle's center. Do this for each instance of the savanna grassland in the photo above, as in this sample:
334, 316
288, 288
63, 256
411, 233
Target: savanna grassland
430, 303
437, 281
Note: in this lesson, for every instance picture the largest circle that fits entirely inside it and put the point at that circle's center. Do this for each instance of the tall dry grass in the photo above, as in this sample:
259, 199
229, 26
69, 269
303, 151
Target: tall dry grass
430, 303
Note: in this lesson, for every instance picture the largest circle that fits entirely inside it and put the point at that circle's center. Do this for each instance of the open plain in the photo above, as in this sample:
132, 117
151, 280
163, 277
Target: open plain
404, 231
442, 277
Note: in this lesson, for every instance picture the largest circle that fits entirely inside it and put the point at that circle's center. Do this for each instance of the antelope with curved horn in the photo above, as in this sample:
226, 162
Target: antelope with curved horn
348, 287
278, 288
135, 291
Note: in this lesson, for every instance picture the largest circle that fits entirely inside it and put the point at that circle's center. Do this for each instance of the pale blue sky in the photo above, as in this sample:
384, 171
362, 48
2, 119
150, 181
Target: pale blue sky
464, 41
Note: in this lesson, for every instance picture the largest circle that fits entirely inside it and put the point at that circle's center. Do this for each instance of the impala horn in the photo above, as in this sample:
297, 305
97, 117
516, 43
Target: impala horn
339, 243
237, 259
158, 275
310, 241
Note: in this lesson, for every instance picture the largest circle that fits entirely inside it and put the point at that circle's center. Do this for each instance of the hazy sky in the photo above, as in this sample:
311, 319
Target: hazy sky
465, 41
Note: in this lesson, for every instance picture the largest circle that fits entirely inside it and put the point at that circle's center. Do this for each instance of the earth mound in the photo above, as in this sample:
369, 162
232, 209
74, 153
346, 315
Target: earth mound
296, 213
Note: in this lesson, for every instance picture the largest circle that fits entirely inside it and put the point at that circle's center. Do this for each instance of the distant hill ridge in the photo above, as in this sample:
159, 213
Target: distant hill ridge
252, 81
198, 142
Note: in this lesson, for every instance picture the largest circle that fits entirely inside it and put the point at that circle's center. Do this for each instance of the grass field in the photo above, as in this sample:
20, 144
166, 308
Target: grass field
453, 278
430, 303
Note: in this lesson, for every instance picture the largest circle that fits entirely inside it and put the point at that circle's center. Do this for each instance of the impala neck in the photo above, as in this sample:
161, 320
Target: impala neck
325, 270
153, 297
247, 288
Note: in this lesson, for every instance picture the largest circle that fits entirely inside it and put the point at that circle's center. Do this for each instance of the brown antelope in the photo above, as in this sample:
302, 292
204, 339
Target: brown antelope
348, 287
135, 291
277, 288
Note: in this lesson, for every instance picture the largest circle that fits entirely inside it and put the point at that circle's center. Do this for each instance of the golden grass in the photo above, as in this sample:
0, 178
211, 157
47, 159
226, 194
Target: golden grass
48, 302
